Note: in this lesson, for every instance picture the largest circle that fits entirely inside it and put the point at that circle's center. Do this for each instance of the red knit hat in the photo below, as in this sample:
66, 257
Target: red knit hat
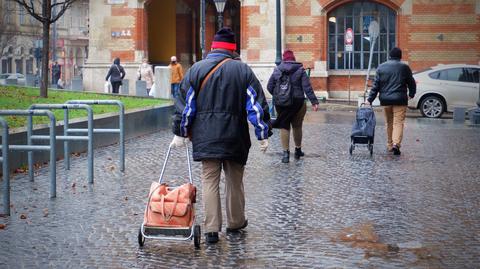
288, 56
224, 39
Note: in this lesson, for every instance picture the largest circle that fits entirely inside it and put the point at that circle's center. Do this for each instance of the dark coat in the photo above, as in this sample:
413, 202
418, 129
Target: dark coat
391, 81
299, 79
216, 117
301, 86
116, 72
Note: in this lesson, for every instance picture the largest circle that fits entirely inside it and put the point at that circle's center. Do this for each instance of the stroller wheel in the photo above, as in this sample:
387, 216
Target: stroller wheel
196, 236
351, 149
141, 238
370, 147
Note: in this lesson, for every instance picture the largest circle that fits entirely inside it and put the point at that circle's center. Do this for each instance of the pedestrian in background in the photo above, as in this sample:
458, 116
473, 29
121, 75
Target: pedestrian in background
293, 114
392, 80
116, 73
217, 96
177, 75
145, 73
56, 73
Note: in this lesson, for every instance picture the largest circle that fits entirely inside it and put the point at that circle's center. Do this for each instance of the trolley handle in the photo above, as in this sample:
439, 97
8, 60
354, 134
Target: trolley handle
166, 160
366, 104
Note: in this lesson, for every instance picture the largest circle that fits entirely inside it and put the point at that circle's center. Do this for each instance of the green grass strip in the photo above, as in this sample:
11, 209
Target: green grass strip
22, 98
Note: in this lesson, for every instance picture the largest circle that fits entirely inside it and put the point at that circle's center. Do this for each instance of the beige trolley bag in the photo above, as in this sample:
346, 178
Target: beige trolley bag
170, 211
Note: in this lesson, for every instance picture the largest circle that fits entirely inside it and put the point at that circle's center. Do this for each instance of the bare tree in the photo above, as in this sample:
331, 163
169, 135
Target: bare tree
42, 10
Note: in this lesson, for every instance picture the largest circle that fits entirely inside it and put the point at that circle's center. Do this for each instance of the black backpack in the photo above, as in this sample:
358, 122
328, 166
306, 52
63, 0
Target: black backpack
283, 92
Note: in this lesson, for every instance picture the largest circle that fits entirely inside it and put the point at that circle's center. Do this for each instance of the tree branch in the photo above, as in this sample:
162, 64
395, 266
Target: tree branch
65, 5
30, 8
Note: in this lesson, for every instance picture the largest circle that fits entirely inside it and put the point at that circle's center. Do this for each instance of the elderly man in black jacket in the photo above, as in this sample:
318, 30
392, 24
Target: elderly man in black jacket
217, 96
391, 81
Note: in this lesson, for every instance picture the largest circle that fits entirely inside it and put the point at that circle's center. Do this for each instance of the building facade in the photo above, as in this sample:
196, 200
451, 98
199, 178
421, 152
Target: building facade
429, 32
21, 36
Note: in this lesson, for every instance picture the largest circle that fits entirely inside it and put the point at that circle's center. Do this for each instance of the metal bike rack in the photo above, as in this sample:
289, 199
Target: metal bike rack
120, 129
30, 148
65, 137
6, 172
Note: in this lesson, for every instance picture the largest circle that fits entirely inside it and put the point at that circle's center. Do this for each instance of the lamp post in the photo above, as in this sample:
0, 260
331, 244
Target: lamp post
278, 58
220, 5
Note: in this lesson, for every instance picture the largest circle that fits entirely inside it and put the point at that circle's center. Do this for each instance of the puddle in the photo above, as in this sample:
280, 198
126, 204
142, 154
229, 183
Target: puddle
364, 236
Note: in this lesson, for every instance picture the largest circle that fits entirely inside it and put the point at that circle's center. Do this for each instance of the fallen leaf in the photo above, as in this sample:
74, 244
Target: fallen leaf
73, 185
418, 140
45, 212
2, 226
126, 198
109, 158
23, 216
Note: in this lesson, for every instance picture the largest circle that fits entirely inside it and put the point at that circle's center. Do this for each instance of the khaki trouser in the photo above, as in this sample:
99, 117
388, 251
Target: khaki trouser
234, 192
394, 120
297, 123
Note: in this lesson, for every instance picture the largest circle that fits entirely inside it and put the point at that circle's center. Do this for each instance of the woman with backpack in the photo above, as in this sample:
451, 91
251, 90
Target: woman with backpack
116, 73
288, 85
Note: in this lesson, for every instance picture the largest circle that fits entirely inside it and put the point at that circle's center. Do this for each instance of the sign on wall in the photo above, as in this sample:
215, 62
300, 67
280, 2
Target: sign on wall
115, 2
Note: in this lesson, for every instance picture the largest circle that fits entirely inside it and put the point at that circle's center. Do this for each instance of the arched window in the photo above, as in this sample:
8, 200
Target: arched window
357, 16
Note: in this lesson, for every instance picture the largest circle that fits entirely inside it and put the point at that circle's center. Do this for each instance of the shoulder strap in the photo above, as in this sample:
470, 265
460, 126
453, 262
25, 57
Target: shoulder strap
212, 71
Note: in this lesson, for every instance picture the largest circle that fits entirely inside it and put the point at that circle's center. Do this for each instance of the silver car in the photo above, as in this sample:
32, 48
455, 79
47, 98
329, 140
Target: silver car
443, 87
19, 77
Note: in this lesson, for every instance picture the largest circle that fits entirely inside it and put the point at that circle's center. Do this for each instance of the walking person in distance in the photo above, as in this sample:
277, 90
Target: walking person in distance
288, 85
116, 73
391, 81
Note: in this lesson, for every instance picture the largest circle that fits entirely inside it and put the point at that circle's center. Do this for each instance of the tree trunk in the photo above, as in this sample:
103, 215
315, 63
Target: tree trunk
45, 54
46, 11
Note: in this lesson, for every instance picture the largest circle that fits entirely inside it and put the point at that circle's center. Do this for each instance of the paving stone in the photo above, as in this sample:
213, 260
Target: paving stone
425, 201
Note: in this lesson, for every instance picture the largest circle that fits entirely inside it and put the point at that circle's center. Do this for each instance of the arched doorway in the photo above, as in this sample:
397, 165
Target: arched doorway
173, 27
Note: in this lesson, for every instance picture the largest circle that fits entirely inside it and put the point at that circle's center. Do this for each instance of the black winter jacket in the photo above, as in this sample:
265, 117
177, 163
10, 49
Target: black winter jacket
392, 79
216, 117
116, 72
299, 79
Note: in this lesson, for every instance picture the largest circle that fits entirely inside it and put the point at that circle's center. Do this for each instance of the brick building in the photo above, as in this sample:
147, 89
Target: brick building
21, 34
429, 32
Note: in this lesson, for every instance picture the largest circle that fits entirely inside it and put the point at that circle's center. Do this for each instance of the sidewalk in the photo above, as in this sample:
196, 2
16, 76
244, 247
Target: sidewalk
327, 210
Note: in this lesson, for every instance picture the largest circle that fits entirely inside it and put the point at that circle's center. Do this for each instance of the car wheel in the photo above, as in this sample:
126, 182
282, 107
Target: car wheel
432, 107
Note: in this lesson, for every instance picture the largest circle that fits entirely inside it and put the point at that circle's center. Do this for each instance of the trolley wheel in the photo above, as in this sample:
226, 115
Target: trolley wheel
196, 236
351, 149
370, 148
141, 238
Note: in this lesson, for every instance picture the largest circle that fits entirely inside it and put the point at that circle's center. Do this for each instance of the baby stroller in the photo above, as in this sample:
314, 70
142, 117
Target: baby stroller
170, 211
363, 130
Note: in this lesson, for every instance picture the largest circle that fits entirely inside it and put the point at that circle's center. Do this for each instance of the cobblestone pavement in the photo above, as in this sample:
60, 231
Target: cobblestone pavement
328, 210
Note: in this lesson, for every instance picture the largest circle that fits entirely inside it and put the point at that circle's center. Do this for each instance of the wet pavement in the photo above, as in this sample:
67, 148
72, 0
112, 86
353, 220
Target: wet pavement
328, 210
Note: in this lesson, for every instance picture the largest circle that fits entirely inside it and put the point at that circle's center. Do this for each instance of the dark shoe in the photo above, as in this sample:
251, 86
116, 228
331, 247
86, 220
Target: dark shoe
235, 230
299, 153
286, 156
396, 150
211, 238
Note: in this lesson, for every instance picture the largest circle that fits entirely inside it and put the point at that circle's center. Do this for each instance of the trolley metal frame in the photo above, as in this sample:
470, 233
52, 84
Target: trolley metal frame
192, 228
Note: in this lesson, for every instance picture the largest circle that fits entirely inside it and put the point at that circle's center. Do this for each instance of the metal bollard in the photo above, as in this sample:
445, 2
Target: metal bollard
6, 168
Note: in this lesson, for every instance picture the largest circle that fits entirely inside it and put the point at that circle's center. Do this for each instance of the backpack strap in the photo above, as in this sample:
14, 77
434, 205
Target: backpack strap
211, 73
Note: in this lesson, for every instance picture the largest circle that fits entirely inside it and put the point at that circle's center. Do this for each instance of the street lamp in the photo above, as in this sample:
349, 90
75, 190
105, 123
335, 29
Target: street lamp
220, 5
278, 25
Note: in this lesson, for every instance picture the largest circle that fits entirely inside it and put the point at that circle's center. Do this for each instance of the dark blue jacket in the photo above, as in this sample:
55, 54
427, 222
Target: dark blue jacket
391, 81
116, 72
299, 79
216, 117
